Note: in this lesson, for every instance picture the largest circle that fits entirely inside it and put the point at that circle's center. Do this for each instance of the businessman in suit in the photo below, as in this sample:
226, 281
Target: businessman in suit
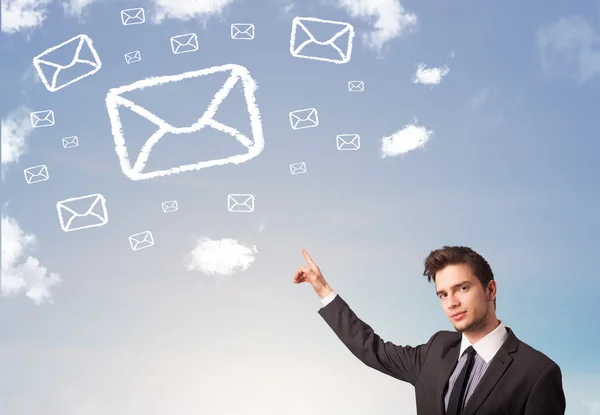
480, 369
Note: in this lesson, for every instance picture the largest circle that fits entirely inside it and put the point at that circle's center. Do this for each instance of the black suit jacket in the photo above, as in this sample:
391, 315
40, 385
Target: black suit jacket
519, 380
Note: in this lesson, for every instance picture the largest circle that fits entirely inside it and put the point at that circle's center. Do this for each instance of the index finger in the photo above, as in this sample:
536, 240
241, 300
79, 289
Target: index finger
308, 258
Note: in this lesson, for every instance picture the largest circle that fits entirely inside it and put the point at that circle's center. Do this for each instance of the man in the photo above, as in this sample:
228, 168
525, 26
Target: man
480, 369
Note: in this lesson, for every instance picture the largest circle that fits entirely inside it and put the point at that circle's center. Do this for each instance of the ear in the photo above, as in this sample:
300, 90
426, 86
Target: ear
491, 290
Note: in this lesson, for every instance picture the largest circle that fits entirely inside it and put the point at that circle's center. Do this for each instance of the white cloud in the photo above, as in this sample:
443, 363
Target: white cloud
188, 9
20, 15
390, 19
15, 129
430, 76
477, 100
573, 43
76, 7
222, 257
22, 273
409, 138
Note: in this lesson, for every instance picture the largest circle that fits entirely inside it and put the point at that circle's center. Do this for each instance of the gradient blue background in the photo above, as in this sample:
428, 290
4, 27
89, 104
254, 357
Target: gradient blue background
515, 178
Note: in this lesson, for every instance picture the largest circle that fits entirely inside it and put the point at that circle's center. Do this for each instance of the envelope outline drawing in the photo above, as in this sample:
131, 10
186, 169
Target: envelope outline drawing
348, 141
70, 142
187, 42
298, 168
43, 118
115, 100
170, 206
133, 57
141, 240
242, 31
296, 50
44, 58
304, 118
356, 86
66, 222
240, 202
133, 16
36, 174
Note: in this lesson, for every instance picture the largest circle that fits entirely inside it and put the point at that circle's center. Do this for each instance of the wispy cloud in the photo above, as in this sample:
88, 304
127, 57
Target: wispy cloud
571, 43
22, 273
430, 76
479, 99
222, 257
23, 15
389, 18
188, 9
409, 138
76, 7
16, 127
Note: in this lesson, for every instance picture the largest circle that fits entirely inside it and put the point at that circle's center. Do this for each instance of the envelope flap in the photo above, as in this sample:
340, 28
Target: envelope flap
184, 40
83, 206
322, 31
243, 27
68, 53
303, 115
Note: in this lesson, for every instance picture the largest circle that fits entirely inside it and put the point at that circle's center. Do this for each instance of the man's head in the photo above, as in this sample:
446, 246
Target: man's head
465, 284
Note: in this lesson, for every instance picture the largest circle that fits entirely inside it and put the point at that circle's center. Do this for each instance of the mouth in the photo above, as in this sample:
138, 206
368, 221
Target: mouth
459, 315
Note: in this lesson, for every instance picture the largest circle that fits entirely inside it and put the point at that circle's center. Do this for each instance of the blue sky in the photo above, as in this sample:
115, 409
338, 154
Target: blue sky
508, 167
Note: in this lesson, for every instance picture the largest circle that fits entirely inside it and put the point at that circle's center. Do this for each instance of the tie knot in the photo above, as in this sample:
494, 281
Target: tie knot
470, 351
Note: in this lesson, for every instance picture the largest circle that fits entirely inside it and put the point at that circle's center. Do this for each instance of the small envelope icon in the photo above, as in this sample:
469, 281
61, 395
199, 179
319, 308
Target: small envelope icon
170, 206
82, 212
305, 118
184, 43
115, 103
240, 202
70, 142
141, 240
133, 16
56, 72
42, 118
327, 44
36, 174
242, 31
356, 86
133, 57
348, 141
298, 168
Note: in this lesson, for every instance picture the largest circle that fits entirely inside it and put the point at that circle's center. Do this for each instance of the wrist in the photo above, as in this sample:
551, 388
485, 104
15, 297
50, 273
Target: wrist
324, 291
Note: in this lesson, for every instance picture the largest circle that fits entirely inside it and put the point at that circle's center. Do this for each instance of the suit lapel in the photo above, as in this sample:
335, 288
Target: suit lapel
449, 361
494, 372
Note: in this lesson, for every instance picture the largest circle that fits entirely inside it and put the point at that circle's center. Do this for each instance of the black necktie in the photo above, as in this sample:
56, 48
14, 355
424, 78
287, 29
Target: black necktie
458, 390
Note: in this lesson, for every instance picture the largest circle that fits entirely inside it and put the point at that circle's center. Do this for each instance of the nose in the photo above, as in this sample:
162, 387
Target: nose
452, 301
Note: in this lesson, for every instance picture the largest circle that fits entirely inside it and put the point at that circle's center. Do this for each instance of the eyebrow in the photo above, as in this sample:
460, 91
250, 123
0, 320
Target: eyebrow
454, 286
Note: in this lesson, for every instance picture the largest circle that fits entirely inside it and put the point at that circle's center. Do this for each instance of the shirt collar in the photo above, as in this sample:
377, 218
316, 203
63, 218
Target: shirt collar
487, 346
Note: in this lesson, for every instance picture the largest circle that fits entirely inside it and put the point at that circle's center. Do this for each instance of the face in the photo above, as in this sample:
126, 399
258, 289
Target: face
468, 306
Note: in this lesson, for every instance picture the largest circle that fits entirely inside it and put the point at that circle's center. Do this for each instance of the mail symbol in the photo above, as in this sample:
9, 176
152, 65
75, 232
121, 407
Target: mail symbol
141, 240
116, 104
298, 168
348, 141
70, 142
36, 174
356, 86
133, 16
82, 212
305, 118
240, 203
56, 72
242, 31
42, 118
326, 44
170, 206
133, 57
184, 43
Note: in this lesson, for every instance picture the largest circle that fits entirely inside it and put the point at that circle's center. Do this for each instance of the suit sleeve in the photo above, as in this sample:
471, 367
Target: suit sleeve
547, 396
401, 362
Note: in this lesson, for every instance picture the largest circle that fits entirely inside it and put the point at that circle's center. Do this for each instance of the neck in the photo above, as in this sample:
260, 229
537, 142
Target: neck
486, 327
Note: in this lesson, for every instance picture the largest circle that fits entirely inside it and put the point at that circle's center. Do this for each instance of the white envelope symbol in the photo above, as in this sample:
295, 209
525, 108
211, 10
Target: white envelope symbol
133, 16
69, 142
133, 57
357, 86
242, 31
170, 206
141, 240
36, 174
297, 168
348, 141
115, 102
184, 43
70, 71
240, 202
328, 43
82, 212
305, 118
42, 118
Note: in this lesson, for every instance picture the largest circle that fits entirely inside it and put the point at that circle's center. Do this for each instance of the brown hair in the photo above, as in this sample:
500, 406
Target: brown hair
452, 255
